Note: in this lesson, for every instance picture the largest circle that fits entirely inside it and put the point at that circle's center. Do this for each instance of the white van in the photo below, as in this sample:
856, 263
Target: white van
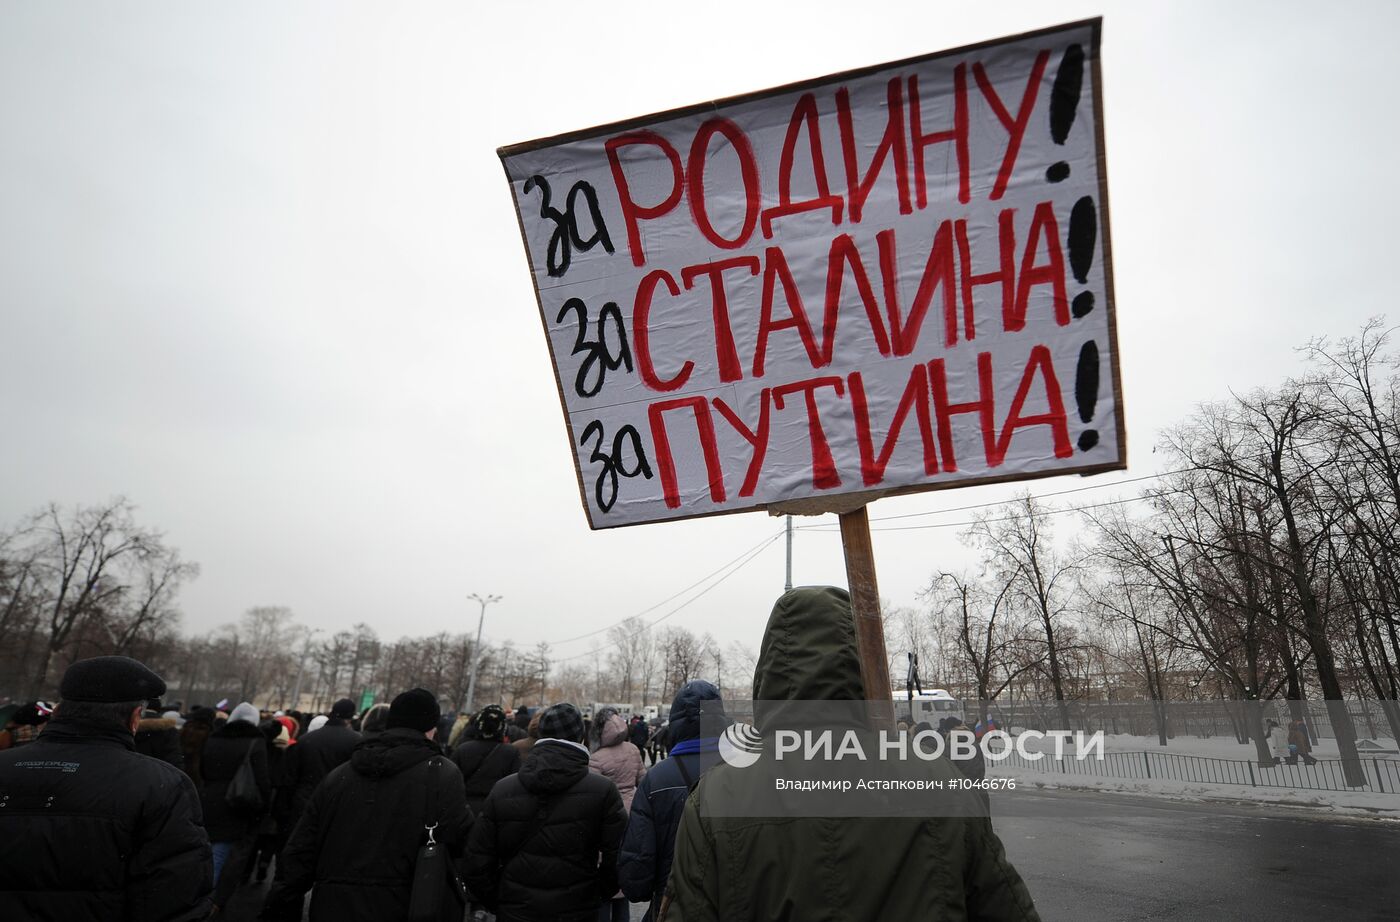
932, 706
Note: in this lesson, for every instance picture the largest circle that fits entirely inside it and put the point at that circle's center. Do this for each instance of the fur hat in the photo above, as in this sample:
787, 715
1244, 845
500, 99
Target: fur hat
490, 722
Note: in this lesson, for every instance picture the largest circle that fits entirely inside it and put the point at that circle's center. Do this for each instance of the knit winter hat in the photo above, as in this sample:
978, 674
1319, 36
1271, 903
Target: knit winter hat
317, 722
290, 723
344, 709
416, 709
562, 722
110, 679
244, 712
490, 722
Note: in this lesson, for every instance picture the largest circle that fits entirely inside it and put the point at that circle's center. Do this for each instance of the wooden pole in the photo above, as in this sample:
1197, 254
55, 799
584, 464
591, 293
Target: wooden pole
865, 608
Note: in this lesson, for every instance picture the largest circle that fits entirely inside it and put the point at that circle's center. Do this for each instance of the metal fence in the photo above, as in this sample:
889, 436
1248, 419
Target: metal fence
1382, 775
1205, 717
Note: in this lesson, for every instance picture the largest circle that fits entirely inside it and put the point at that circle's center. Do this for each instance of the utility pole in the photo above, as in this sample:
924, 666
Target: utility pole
476, 650
788, 586
301, 666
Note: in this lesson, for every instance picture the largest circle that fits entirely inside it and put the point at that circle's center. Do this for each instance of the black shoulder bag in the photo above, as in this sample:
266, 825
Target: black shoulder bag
242, 794
435, 880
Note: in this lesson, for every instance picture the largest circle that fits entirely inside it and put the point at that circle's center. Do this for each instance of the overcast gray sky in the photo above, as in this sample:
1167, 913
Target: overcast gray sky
260, 272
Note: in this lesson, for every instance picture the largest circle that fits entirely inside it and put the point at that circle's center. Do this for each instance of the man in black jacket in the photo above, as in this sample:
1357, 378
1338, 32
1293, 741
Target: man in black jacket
314, 757
125, 826
545, 845
359, 836
650, 842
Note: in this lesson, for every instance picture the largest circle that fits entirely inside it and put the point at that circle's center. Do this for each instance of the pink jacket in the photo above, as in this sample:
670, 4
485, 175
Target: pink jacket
619, 761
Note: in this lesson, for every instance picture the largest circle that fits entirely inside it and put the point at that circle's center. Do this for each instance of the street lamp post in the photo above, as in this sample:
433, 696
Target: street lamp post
476, 649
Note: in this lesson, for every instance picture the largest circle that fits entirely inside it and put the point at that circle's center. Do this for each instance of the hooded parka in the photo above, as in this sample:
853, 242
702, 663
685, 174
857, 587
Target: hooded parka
358, 838
615, 760
545, 846
829, 868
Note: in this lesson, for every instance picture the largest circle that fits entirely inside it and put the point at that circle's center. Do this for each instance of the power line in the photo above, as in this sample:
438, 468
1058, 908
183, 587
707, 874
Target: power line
757, 547
744, 560
1094, 486
1009, 518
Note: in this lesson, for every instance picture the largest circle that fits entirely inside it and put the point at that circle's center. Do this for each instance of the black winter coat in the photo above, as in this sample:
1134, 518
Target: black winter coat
193, 735
545, 845
483, 763
219, 762
159, 738
314, 757
91, 831
359, 835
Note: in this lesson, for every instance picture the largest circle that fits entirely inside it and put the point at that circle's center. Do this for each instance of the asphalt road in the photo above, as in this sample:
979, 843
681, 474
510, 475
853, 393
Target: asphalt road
1118, 857
1088, 857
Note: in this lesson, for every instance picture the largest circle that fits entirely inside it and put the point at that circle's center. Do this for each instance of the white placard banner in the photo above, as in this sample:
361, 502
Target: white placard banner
884, 281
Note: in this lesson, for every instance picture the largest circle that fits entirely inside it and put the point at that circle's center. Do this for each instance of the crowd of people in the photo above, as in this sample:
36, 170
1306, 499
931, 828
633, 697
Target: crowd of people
116, 807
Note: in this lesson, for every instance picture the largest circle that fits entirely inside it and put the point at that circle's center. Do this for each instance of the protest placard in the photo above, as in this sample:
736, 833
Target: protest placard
878, 282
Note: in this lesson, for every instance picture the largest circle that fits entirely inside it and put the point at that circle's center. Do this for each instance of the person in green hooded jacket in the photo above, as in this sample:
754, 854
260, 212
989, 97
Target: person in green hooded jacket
829, 868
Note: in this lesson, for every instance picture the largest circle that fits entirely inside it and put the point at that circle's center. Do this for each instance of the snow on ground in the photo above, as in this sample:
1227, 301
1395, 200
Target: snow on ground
1340, 803
1214, 747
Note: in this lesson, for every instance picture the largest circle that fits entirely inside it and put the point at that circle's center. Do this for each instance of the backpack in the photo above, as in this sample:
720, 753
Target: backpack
242, 795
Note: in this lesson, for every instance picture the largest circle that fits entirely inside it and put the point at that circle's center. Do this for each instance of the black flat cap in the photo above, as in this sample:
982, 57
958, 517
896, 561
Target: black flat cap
111, 679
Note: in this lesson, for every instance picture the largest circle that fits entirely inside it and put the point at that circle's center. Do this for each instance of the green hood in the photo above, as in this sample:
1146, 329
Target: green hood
809, 649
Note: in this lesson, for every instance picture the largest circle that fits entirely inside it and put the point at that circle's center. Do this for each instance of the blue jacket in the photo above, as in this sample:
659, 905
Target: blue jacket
648, 846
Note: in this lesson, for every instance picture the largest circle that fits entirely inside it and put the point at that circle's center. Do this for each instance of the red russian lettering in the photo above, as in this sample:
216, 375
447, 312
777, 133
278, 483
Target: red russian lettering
775, 270
892, 143
725, 352
665, 462
915, 398
939, 270
1006, 275
957, 134
748, 172
824, 475
633, 213
984, 407
757, 437
1042, 365
804, 117
641, 333
1043, 225
844, 253
1016, 127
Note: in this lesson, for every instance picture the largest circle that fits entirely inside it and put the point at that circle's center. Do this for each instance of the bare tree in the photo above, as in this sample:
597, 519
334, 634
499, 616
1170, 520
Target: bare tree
985, 632
82, 569
1017, 545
